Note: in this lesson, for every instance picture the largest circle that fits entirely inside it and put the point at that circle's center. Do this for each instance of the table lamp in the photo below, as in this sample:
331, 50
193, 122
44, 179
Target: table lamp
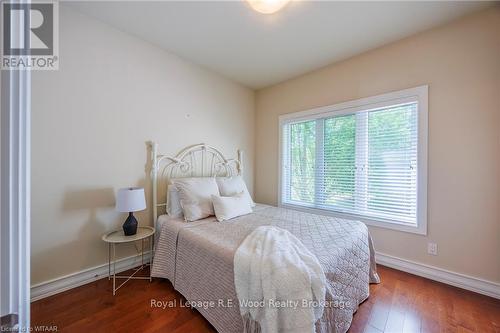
130, 200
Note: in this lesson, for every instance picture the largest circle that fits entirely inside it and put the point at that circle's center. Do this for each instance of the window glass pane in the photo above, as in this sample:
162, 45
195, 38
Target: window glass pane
392, 161
339, 161
363, 164
302, 161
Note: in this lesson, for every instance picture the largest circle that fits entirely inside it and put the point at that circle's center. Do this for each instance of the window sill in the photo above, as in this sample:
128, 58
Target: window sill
420, 229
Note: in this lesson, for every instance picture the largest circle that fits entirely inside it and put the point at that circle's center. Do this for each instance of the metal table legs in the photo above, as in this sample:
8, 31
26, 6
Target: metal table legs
112, 258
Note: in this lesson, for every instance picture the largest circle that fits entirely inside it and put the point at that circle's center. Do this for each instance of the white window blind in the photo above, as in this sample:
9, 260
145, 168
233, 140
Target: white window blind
361, 163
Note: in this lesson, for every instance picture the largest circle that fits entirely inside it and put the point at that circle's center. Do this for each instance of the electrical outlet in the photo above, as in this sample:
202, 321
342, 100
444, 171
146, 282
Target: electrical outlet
432, 249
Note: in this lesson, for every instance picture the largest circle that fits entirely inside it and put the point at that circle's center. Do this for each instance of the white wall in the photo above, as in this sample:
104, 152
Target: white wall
91, 120
461, 64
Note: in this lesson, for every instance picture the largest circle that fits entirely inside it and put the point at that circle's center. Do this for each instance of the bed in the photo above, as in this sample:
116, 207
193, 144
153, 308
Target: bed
197, 257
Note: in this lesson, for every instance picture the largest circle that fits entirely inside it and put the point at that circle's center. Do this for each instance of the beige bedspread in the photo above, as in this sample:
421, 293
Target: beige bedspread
197, 257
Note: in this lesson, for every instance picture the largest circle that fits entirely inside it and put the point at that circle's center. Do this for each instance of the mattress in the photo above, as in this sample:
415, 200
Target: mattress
197, 257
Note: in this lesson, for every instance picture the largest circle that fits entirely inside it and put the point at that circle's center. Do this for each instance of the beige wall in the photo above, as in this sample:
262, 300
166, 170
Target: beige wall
91, 120
461, 64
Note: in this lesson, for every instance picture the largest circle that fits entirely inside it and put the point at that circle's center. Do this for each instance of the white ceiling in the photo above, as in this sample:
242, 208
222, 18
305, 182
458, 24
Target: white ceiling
260, 50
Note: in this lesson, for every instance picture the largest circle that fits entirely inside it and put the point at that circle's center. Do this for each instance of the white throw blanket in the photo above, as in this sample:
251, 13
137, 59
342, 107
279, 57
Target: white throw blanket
279, 282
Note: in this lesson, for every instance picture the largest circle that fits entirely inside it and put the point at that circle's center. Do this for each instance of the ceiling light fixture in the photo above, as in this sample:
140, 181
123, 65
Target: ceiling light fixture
267, 6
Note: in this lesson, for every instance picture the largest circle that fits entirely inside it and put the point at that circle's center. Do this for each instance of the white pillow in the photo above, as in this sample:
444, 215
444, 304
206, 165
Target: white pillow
174, 208
227, 208
196, 196
230, 186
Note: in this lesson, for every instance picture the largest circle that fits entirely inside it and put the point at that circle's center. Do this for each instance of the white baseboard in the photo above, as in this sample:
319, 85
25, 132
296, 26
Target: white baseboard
463, 281
58, 285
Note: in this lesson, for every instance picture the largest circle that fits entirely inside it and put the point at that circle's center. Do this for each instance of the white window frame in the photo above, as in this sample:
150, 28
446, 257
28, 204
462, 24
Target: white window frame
420, 94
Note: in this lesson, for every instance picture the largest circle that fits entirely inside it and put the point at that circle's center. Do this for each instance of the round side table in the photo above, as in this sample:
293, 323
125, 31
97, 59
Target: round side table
118, 237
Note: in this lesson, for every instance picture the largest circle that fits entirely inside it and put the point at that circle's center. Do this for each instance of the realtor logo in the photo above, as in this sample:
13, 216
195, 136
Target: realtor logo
30, 35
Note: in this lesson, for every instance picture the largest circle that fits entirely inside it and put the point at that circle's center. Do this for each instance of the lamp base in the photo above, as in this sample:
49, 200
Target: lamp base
130, 225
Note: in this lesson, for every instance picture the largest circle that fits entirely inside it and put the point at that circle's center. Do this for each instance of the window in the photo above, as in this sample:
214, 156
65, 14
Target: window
364, 159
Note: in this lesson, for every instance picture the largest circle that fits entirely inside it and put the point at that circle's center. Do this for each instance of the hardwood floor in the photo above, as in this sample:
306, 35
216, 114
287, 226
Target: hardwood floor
401, 303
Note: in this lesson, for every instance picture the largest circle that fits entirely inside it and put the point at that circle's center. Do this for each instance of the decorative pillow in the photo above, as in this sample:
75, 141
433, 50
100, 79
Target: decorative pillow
196, 196
227, 208
230, 186
174, 208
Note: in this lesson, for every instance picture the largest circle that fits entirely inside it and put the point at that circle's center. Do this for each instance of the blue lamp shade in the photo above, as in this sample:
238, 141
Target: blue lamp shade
130, 199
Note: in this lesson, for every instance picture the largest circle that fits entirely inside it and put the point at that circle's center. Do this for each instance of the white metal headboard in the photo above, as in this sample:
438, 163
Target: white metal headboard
199, 160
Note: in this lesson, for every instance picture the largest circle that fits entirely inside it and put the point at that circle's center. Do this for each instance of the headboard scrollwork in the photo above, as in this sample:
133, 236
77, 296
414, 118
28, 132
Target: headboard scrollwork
198, 160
